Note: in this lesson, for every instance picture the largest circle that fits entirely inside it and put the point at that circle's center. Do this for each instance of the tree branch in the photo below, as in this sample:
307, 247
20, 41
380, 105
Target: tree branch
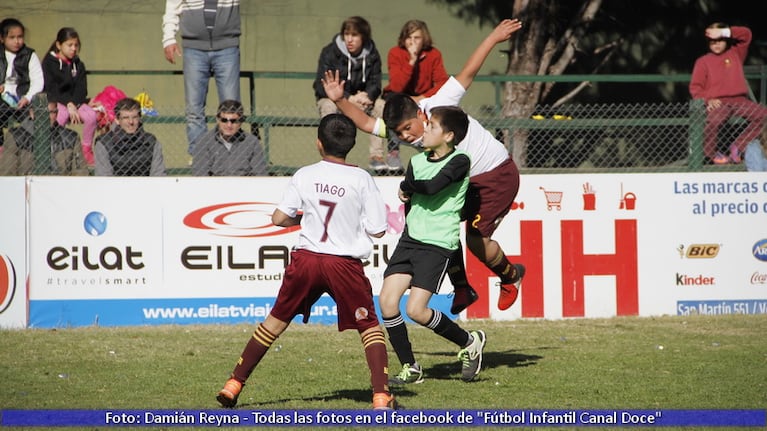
612, 48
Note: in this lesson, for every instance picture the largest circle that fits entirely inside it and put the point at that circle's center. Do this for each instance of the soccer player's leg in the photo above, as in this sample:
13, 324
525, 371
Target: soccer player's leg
463, 294
496, 191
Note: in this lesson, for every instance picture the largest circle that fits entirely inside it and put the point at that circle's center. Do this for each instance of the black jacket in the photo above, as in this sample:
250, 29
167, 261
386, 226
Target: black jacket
362, 73
65, 82
21, 66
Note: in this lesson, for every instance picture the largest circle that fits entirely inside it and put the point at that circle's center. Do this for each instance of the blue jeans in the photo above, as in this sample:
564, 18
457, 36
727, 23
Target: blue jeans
755, 158
199, 65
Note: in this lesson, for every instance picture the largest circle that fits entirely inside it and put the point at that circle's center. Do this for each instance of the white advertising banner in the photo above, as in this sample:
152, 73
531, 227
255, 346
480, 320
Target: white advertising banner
129, 251
598, 245
13, 253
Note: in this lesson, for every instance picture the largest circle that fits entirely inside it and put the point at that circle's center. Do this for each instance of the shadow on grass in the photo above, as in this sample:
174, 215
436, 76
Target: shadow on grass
358, 395
441, 371
452, 370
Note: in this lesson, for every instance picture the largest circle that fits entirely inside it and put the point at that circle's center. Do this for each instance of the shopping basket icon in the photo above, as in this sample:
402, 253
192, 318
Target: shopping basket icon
553, 199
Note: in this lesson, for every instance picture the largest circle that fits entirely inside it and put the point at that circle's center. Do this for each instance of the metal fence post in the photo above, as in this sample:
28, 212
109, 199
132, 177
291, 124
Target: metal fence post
41, 148
696, 127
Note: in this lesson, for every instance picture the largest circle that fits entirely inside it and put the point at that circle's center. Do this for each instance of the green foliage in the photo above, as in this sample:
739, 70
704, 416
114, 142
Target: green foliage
693, 362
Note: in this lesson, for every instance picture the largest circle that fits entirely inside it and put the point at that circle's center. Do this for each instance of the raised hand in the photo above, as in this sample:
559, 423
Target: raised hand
505, 29
333, 85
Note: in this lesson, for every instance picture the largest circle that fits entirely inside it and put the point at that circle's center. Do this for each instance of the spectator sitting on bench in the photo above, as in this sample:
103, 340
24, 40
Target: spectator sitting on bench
21, 76
227, 150
128, 150
719, 80
18, 157
353, 52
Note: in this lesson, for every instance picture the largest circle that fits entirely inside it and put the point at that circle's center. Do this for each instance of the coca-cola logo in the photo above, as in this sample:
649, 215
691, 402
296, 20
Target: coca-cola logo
758, 278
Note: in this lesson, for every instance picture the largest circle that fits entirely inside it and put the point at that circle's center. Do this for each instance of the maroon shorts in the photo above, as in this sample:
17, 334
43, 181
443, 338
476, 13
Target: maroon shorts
310, 274
489, 197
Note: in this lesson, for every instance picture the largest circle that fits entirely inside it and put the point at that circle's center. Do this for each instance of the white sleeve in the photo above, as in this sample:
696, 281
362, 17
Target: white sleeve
291, 200
450, 94
379, 129
36, 79
170, 22
374, 217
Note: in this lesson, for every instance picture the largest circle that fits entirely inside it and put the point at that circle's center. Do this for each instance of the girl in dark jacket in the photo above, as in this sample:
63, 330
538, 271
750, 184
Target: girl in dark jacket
353, 54
67, 86
21, 76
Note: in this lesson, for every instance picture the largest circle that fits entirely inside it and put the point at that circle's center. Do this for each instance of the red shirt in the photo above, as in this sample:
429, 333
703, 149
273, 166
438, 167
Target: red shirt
715, 76
422, 79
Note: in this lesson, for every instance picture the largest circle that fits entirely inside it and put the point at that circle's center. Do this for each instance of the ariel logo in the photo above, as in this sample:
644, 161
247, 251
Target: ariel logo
7, 282
760, 250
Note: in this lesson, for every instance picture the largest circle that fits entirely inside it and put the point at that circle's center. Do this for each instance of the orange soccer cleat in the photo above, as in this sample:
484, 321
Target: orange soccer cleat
229, 394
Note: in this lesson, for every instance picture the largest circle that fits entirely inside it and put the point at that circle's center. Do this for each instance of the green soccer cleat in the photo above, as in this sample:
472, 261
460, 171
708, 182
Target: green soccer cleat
471, 356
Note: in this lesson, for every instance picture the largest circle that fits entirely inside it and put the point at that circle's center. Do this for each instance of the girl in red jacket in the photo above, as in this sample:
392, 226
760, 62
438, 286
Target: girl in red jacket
415, 69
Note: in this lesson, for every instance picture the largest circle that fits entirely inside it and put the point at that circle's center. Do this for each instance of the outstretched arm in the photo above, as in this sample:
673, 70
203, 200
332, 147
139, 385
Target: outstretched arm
334, 89
502, 32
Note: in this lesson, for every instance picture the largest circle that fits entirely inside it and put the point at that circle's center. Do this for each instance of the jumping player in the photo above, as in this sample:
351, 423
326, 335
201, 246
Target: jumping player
341, 209
494, 177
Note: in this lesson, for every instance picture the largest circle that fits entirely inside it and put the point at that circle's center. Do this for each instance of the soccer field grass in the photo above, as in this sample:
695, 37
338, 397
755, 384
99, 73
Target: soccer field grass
675, 362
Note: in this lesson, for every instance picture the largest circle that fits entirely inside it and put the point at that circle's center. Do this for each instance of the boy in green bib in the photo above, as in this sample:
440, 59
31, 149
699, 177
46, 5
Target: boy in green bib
434, 192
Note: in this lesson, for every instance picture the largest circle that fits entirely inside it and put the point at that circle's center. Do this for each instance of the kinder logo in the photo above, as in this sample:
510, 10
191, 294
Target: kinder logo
694, 280
237, 219
700, 251
760, 250
7, 282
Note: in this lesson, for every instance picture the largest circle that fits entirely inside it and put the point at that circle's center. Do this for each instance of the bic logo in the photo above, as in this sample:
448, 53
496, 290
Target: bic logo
700, 251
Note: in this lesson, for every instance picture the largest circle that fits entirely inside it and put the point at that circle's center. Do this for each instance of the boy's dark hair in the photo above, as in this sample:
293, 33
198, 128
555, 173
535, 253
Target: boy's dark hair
399, 107
63, 35
452, 119
7, 24
127, 104
338, 134
230, 107
357, 24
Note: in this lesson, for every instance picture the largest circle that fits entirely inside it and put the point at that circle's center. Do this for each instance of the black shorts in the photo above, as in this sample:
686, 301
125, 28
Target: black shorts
427, 266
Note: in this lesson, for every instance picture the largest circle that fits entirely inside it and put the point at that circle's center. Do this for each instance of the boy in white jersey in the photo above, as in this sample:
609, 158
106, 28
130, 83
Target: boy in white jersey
434, 191
494, 178
339, 208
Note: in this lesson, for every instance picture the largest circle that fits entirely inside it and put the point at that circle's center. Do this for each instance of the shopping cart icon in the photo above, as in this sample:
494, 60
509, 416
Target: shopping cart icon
553, 199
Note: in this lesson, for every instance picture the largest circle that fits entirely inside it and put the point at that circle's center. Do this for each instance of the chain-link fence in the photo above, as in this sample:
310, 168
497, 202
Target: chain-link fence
570, 138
